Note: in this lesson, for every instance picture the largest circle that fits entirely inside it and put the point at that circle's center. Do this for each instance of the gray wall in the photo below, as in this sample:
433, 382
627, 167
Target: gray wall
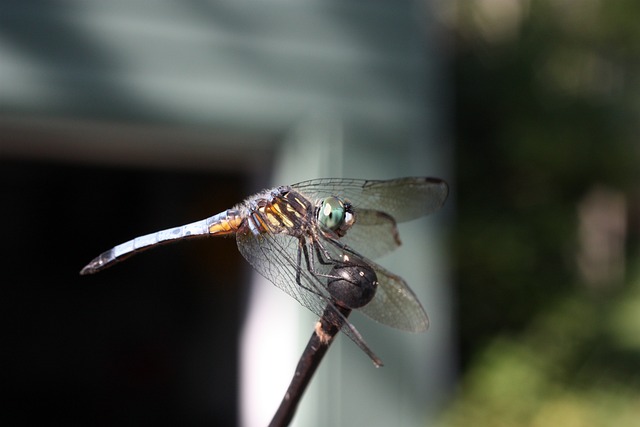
282, 91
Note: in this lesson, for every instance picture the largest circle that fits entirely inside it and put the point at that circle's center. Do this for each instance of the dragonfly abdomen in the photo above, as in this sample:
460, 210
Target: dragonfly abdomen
226, 222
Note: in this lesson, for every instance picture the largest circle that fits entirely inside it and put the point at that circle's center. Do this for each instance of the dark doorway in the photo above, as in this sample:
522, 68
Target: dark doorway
151, 341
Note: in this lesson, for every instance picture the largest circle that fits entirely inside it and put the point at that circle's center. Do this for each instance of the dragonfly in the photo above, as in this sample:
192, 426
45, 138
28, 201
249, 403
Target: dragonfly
316, 241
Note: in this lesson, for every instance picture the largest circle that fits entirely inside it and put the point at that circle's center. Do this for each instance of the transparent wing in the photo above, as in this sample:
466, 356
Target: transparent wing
374, 234
403, 198
395, 304
275, 256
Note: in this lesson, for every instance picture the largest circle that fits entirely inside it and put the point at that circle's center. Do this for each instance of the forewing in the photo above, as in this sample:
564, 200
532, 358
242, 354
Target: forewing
274, 256
403, 198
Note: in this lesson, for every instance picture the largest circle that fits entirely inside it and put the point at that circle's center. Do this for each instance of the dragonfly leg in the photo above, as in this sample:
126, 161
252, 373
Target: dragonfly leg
342, 321
321, 253
321, 259
324, 257
302, 248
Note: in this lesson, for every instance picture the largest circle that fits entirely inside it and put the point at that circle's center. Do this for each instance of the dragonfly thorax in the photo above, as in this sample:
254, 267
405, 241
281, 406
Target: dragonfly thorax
280, 211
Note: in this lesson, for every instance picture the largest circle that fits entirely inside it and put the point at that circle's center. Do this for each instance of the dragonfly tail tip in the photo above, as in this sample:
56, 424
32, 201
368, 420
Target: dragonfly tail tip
93, 267
87, 269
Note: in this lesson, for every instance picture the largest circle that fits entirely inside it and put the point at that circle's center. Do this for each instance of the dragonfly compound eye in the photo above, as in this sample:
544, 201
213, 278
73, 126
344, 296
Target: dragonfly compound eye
331, 213
352, 285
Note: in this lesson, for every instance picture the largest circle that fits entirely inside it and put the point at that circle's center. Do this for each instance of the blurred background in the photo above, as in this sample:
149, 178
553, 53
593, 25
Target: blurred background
125, 117
545, 244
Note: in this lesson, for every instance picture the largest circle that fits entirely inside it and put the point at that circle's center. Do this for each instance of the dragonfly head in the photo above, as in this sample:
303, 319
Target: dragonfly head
335, 215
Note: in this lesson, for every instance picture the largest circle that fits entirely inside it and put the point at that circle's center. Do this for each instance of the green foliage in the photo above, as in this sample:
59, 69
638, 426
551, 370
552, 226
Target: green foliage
578, 364
547, 108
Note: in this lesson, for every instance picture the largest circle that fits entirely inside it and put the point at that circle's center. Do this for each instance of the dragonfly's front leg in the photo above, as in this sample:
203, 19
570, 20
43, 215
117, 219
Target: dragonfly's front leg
310, 264
321, 253
324, 257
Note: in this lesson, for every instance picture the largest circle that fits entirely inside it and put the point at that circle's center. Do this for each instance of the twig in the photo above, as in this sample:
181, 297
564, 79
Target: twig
326, 328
